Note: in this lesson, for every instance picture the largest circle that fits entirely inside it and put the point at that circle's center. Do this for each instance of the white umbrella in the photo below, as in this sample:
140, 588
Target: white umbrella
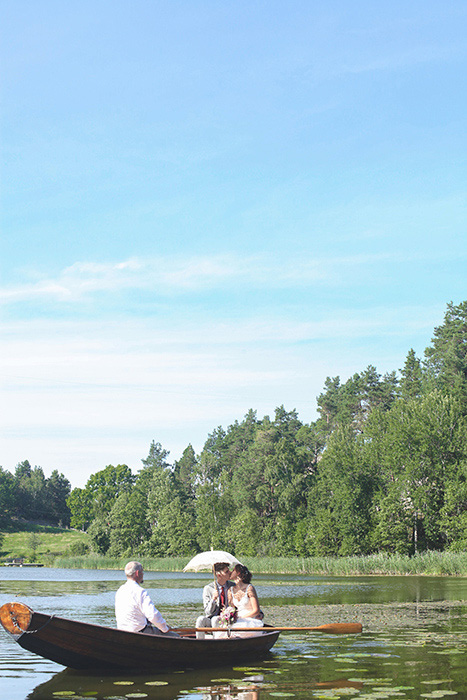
206, 560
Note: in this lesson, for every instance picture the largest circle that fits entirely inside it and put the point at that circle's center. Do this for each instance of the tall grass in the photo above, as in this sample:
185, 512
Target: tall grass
426, 563
98, 561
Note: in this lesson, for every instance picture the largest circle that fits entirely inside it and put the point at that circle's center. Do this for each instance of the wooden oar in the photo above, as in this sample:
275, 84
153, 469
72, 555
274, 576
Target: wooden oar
336, 628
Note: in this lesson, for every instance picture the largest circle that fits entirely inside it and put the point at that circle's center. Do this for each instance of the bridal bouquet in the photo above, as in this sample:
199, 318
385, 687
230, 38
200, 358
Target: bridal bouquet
227, 616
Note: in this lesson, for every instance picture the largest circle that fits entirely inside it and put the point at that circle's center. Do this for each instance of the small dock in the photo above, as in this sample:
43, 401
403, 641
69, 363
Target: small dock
20, 563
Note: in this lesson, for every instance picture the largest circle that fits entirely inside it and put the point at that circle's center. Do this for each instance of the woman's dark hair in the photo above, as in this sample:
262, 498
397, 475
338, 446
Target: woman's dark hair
243, 573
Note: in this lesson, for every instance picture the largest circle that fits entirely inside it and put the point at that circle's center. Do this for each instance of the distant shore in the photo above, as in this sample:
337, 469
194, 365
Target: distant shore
426, 563
54, 547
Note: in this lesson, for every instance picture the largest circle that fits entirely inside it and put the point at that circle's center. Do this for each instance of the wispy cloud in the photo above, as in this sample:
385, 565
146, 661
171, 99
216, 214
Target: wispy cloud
108, 354
167, 277
402, 60
86, 383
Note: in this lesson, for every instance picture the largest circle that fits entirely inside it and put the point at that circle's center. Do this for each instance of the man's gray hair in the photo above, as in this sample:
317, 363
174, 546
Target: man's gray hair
132, 567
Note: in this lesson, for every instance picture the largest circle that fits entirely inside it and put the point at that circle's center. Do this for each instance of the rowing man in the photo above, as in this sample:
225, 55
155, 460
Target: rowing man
134, 609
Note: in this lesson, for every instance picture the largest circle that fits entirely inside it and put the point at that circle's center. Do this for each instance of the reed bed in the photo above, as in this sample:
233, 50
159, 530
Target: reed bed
100, 561
426, 563
96, 561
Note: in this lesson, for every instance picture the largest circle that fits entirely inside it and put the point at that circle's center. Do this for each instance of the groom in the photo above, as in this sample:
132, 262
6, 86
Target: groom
214, 597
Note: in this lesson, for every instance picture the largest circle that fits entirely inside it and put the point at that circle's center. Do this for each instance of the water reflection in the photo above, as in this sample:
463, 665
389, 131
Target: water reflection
415, 656
178, 588
75, 685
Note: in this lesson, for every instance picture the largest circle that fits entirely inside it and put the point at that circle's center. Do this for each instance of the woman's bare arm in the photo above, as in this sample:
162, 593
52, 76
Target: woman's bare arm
251, 592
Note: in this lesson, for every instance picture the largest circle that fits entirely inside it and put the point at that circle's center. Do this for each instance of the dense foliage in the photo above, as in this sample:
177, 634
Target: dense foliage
29, 495
383, 468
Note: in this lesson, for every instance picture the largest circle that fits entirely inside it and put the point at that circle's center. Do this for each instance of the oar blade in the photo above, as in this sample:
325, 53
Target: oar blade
340, 628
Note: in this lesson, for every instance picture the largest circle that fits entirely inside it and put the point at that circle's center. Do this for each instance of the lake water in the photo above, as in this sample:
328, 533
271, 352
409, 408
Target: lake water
413, 645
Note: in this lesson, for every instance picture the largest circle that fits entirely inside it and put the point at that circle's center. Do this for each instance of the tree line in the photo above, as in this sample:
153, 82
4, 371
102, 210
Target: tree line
29, 495
383, 468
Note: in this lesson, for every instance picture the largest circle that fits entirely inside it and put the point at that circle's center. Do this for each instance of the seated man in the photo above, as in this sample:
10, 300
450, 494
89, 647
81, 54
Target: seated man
134, 609
214, 597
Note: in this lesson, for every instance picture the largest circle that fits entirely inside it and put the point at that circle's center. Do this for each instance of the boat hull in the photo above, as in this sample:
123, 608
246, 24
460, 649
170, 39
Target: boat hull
81, 645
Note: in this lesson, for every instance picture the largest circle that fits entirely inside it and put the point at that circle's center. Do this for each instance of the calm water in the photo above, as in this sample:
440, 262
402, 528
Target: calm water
419, 651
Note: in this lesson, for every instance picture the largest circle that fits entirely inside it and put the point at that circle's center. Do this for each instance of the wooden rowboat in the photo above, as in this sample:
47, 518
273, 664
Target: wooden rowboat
81, 645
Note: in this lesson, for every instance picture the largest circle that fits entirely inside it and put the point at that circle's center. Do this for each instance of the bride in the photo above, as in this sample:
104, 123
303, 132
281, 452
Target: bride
243, 597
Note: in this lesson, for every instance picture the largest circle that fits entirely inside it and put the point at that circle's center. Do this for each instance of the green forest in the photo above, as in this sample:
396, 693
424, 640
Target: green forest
382, 469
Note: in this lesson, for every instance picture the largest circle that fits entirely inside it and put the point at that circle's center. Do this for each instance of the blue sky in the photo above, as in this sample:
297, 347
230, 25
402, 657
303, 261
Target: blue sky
212, 206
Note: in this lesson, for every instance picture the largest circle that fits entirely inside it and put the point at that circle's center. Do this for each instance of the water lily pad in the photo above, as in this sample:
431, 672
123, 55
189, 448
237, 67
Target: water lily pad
381, 681
157, 683
347, 691
283, 695
436, 682
124, 682
136, 695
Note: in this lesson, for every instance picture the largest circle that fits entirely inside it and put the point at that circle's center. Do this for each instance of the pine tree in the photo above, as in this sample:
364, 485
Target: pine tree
446, 358
411, 383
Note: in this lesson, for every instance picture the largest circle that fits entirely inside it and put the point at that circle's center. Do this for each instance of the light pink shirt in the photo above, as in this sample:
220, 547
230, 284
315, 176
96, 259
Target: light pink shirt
134, 609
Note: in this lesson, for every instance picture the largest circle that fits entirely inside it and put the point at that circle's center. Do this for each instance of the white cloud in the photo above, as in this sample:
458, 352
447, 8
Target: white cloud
168, 276
78, 395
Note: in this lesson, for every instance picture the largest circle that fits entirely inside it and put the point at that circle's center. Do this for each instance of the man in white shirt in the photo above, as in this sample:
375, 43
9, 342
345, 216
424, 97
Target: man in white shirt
134, 609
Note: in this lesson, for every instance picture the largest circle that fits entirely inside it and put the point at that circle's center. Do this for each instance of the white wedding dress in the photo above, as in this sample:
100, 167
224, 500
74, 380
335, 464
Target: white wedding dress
243, 605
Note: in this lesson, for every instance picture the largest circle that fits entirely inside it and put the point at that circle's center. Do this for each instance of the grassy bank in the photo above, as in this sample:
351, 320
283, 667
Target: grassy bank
427, 563
41, 543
